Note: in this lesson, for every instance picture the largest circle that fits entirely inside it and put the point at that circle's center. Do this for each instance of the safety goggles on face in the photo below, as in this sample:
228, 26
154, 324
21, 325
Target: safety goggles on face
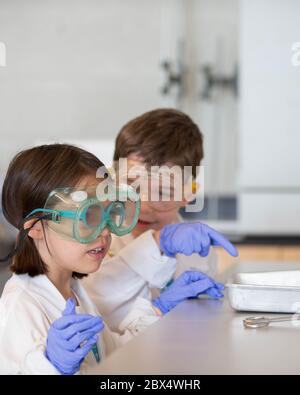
81, 215
161, 192
160, 199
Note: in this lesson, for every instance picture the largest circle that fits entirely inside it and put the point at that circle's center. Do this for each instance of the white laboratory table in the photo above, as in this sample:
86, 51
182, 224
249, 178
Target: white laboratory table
207, 337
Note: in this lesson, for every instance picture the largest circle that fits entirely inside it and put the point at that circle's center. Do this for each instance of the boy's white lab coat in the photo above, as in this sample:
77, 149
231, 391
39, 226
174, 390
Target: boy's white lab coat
137, 269
29, 305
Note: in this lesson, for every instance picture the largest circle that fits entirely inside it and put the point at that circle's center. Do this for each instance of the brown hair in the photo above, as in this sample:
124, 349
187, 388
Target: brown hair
161, 136
31, 176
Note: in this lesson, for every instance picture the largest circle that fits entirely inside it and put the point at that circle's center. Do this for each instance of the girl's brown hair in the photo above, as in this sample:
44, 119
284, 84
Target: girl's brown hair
31, 176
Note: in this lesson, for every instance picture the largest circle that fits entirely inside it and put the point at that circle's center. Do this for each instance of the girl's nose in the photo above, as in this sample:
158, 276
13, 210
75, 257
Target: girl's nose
105, 233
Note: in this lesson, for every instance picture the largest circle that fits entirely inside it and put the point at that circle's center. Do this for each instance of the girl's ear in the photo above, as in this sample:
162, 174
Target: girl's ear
36, 233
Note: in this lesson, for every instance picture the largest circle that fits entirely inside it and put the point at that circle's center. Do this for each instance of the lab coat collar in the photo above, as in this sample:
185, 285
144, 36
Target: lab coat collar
42, 286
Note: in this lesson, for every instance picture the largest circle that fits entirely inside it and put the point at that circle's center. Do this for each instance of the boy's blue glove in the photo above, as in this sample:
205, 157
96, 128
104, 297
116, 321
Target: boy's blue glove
189, 284
71, 337
190, 238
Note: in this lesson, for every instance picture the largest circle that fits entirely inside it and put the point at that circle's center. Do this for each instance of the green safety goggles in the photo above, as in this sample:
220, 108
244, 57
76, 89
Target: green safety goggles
81, 215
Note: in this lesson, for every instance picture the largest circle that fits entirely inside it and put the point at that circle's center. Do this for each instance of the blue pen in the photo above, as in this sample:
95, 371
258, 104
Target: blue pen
170, 282
94, 350
96, 353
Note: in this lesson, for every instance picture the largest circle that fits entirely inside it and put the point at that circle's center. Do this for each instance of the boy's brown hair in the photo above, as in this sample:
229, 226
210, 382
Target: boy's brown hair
161, 136
31, 176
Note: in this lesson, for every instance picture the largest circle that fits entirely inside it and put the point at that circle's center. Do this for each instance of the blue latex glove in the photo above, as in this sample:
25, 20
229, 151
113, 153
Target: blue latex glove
71, 337
190, 238
189, 284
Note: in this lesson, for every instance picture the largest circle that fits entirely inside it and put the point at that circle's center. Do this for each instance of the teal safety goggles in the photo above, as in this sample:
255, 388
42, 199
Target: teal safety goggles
81, 215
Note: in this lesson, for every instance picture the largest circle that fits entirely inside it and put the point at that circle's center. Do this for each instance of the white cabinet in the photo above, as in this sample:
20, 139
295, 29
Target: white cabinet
269, 177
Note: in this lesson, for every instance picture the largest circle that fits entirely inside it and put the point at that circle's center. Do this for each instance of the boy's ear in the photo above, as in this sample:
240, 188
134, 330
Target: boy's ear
189, 195
36, 232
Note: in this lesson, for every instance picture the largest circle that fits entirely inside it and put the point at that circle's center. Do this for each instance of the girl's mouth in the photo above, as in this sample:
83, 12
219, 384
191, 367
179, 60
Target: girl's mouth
97, 253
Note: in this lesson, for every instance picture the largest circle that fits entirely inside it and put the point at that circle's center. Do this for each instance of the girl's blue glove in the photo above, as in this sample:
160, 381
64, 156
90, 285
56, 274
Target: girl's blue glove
189, 284
190, 238
71, 337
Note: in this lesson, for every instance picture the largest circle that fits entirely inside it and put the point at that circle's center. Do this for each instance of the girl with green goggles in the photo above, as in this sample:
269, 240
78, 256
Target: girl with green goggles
82, 214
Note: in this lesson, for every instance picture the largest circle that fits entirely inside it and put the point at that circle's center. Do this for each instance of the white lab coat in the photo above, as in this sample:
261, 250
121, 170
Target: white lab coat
29, 305
137, 268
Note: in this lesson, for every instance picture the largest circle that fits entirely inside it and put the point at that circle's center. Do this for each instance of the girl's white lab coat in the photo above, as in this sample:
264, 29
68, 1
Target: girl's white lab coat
29, 305
137, 269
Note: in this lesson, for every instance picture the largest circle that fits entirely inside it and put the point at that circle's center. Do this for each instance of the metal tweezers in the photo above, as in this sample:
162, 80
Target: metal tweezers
262, 322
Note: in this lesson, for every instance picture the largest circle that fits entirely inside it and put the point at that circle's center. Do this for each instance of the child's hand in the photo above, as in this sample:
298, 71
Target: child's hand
189, 284
190, 238
71, 337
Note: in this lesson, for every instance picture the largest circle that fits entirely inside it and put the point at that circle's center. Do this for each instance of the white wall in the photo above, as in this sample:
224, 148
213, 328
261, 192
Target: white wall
76, 69
80, 69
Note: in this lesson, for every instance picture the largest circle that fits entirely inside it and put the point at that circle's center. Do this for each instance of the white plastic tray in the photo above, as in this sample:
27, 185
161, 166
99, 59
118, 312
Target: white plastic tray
276, 292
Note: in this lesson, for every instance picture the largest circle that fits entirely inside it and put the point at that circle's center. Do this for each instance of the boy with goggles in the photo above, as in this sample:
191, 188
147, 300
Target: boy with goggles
161, 247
